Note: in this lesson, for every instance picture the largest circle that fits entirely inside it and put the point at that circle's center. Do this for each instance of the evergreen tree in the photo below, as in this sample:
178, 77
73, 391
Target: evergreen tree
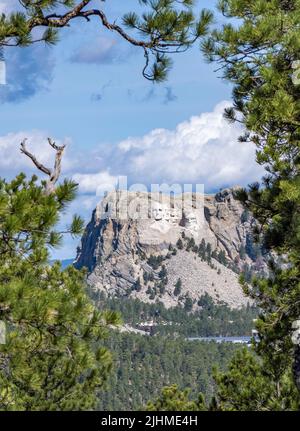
178, 287
206, 302
137, 285
250, 386
162, 288
179, 244
173, 399
257, 52
53, 358
163, 272
188, 305
146, 277
208, 251
190, 244
222, 257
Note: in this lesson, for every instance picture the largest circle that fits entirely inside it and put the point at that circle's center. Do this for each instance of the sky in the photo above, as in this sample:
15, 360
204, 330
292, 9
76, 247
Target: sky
89, 93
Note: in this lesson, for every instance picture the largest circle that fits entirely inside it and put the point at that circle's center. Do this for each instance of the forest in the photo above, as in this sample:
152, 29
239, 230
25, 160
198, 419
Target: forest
143, 365
211, 320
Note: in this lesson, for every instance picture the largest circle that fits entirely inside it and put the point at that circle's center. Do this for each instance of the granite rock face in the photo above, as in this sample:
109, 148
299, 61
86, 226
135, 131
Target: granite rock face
141, 244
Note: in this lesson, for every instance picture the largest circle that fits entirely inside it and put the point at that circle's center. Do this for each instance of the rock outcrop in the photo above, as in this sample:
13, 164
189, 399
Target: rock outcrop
146, 244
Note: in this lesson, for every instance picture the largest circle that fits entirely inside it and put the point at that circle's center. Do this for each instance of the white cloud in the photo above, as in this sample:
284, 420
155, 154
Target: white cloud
204, 149
95, 183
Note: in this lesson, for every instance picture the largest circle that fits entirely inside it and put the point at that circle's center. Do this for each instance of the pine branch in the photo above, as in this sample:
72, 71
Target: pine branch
165, 30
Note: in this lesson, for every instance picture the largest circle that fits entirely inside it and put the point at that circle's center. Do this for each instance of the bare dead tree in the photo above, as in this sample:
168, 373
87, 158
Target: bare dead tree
54, 173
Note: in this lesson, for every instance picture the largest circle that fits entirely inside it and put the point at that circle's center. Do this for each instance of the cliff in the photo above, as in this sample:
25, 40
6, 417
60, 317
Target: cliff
172, 249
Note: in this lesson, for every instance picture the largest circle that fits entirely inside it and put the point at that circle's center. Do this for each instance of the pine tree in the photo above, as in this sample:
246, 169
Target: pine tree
222, 257
257, 54
190, 244
250, 386
188, 304
173, 399
53, 358
208, 251
163, 272
167, 27
178, 287
179, 244
137, 286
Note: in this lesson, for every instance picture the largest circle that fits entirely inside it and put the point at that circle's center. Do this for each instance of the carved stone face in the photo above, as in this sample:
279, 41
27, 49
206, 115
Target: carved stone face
191, 221
160, 212
174, 217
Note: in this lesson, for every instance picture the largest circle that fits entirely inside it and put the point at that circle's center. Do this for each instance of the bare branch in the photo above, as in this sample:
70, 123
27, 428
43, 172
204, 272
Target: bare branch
39, 165
54, 173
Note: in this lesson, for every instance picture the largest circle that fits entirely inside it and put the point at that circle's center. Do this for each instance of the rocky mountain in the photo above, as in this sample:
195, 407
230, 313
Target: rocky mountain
170, 248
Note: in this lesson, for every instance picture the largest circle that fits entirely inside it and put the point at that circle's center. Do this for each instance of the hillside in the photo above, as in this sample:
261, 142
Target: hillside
144, 365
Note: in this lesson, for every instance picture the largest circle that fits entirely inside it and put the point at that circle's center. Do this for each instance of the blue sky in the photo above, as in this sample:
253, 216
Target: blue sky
88, 91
